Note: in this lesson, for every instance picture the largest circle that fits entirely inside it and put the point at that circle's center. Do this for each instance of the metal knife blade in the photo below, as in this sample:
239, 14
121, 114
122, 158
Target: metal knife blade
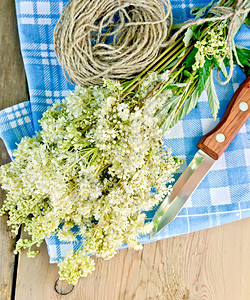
183, 189
212, 145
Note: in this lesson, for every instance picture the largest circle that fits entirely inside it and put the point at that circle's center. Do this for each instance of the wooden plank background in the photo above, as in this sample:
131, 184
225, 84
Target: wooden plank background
212, 264
13, 90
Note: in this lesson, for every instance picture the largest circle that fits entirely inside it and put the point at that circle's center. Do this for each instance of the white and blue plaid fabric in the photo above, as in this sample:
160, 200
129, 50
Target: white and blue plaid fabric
224, 194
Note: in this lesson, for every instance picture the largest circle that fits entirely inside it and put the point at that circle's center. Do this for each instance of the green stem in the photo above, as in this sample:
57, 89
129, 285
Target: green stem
138, 77
222, 3
168, 82
181, 59
187, 92
170, 55
162, 68
171, 59
86, 155
103, 168
135, 83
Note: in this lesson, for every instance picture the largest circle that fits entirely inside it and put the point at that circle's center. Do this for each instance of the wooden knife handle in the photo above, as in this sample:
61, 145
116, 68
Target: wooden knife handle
238, 111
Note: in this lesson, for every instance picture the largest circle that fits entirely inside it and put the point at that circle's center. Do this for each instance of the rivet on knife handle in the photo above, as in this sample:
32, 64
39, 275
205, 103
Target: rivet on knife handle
238, 111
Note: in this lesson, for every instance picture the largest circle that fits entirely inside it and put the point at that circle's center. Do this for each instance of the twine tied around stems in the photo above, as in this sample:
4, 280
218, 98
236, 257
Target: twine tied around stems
110, 38
240, 11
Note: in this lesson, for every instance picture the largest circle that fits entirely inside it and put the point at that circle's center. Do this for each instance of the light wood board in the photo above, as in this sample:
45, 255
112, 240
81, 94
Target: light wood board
12, 90
213, 264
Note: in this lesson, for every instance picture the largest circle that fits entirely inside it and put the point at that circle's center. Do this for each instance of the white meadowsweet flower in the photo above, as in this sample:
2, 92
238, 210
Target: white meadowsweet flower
93, 165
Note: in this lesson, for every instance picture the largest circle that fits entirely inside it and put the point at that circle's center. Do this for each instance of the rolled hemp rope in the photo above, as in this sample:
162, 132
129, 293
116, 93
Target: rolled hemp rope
110, 38
118, 38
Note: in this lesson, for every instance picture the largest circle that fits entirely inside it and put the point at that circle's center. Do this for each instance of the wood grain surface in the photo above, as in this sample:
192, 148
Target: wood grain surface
213, 264
12, 90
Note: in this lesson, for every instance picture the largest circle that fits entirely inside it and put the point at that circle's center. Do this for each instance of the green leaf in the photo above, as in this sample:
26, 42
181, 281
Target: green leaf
197, 31
247, 21
187, 74
243, 55
187, 36
177, 26
204, 73
215, 63
167, 107
167, 112
166, 123
199, 12
223, 68
190, 59
189, 104
236, 58
172, 63
174, 85
212, 96
226, 62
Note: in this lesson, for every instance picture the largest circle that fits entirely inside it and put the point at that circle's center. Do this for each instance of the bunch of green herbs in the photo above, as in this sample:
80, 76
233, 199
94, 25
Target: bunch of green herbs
193, 58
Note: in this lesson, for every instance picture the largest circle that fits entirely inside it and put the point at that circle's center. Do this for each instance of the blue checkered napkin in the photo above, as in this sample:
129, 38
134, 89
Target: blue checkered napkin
15, 123
222, 197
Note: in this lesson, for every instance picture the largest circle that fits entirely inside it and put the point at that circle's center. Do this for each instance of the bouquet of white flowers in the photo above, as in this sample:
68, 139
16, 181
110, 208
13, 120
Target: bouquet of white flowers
95, 164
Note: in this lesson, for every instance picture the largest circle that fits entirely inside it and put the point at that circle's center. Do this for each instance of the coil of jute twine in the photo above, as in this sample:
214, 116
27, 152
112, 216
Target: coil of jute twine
110, 38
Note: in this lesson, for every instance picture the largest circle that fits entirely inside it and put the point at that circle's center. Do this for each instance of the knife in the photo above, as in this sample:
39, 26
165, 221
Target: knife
211, 147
